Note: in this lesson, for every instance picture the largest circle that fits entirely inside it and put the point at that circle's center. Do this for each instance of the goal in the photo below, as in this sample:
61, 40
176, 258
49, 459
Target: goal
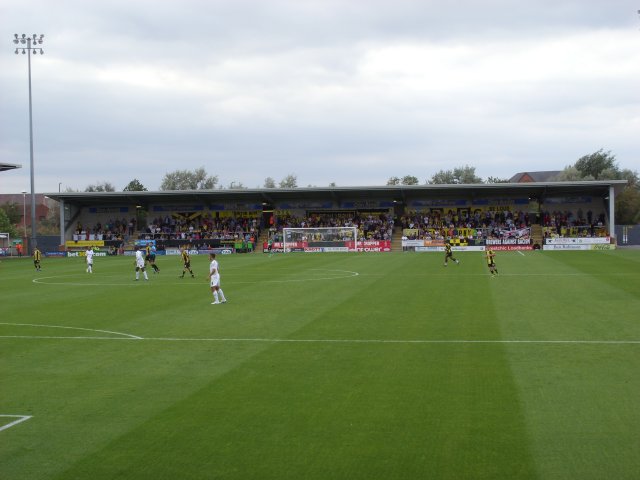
328, 239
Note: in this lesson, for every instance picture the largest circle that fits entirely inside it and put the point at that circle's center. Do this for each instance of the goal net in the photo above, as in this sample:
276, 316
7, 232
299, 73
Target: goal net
328, 239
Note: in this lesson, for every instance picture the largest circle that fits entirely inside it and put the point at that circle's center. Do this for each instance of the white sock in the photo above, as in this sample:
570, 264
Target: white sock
137, 276
145, 275
221, 295
215, 295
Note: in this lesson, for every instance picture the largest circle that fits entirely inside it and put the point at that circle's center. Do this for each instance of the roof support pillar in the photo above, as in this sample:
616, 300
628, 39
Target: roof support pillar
612, 212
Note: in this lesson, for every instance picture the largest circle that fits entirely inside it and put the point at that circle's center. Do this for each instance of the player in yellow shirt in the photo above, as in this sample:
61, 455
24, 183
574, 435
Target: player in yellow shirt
490, 255
186, 260
37, 256
448, 255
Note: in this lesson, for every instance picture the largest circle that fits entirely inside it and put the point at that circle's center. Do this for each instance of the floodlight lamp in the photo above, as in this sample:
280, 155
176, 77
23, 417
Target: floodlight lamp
24, 51
34, 38
16, 51
41, 52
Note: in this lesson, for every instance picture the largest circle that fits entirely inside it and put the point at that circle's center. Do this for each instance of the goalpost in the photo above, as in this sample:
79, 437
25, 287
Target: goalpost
327, 239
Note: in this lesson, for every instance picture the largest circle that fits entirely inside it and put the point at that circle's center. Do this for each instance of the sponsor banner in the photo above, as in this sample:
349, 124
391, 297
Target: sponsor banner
83, 254
511, 247
144, 243
54, 254
508, 241
176, 251
567, 247
438, 203
217, 251
516, 233
333, 249
84, 243
429, 249
566, 200
609, 246
108, 209
423, 243
178, 208
577, 240
478, 248
338, 246
413, 243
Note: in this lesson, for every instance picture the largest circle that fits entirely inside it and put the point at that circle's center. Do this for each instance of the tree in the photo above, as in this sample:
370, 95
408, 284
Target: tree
596, 164
189, 180
100, 187
497, 180
569, 174
458, 175
410, 180
393, 181
134, 186
269, 183
290, 181
444, 177
628, 206
236, 186
602, 165
5, 224
13, 212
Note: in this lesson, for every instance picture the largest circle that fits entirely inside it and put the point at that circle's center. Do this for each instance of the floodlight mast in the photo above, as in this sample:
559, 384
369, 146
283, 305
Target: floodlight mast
29, 45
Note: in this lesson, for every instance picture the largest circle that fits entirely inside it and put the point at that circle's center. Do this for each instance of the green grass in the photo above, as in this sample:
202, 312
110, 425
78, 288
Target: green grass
326, 366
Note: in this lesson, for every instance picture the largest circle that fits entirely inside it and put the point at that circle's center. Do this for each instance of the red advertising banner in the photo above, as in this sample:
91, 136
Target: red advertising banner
510, 247
363, 246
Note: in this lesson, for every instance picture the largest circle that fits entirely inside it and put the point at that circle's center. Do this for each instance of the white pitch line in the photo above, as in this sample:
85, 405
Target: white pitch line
128, 282
70, 328
21, 418
520, 253
335, 340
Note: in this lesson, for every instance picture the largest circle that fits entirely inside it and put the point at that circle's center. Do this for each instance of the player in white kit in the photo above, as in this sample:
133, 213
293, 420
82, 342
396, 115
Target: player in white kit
89, 255
140, 264
214, 277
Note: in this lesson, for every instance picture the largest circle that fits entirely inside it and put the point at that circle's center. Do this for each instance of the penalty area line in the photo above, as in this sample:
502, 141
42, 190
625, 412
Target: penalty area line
334, 340
20, 419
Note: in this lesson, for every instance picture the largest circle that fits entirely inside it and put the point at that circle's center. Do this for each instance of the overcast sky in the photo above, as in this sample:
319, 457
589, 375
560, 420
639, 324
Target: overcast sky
352, 92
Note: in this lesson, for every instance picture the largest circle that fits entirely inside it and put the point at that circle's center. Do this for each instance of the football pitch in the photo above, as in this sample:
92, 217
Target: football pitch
325, 366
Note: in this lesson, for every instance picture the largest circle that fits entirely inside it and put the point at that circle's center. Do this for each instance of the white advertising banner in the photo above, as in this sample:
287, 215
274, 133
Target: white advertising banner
577, 241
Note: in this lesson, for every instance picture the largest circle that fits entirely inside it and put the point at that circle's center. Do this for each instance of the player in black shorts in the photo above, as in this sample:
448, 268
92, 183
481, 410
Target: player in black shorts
150, 257
448, 255
186, 260
490, 254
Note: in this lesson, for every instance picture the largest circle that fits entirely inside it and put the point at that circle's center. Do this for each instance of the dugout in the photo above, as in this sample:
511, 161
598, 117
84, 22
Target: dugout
263, 204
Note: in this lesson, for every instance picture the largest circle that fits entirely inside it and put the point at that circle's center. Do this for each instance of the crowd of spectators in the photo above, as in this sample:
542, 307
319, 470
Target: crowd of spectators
567, 218
202, 227
436, 225
567, 224
371, 226
112, 229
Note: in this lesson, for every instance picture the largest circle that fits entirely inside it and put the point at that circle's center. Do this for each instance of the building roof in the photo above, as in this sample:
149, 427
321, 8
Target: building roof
396, 193
9, 166
542, 176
